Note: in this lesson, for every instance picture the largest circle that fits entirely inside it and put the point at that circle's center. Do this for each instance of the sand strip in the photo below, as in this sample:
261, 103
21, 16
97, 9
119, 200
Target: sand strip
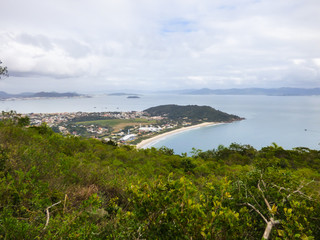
151, 141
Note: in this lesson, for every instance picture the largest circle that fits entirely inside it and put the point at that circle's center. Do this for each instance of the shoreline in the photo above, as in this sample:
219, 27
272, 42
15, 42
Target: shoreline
151, 141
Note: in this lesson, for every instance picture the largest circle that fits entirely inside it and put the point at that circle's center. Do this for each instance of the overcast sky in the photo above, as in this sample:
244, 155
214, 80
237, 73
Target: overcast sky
106, 45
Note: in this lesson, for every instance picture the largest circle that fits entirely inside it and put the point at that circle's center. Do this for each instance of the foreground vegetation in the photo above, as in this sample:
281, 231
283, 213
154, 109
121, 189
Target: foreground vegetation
55, 187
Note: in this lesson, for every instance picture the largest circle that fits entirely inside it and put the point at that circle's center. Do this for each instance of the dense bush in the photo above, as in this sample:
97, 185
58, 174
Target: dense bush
55, 187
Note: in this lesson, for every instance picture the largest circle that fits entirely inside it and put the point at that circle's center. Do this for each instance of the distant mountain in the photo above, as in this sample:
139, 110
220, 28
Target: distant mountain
191, 113
4, 95
26, 94
122, 94
55, 94
258, 91
182, 91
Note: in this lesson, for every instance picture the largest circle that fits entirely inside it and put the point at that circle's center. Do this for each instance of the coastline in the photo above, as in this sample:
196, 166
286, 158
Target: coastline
151, 141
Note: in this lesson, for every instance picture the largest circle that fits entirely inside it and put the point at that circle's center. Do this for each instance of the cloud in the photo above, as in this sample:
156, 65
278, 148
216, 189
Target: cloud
162, 44
178, 25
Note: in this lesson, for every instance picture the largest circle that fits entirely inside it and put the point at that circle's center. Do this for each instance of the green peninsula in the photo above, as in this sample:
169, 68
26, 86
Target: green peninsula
193, 113
143, 124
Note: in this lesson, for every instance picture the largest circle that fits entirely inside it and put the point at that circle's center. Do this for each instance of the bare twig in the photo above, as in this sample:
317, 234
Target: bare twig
48, 214
264, 198
280, 188
301, 193
254, 208
254, 199
64, 203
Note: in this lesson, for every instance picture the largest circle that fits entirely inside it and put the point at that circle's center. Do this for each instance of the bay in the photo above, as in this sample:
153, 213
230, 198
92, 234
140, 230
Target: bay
288, 121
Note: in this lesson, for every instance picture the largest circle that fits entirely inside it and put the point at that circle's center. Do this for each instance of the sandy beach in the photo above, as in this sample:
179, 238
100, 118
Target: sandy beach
148, 142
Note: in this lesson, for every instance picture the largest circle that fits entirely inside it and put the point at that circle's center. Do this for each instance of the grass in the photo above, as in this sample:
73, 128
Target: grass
118, 124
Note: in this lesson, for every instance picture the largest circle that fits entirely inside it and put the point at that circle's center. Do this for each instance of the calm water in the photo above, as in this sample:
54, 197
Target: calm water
288, 121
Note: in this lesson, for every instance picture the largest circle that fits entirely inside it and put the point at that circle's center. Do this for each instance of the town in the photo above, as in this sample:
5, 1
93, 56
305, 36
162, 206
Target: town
125, 127
118, 127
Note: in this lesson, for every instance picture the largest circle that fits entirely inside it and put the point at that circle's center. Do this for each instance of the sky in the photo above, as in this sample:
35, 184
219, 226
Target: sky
111, 45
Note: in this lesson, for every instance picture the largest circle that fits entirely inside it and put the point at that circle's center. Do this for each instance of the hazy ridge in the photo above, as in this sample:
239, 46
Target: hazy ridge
4, 95
285, 91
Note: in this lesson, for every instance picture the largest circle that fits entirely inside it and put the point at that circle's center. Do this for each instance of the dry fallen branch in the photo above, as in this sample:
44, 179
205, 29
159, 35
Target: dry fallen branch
280, 188
270, 223
269, 227
48, 214
253, 207
301, 193
264, 198
255, 199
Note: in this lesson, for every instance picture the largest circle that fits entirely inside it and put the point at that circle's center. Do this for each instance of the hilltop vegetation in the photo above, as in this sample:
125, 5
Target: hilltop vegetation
192, 113
55, 187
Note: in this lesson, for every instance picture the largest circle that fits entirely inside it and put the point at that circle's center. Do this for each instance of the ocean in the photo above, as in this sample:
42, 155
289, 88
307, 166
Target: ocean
288, 121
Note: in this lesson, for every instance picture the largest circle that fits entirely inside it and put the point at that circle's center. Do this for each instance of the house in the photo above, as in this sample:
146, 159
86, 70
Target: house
128, 137
150, 129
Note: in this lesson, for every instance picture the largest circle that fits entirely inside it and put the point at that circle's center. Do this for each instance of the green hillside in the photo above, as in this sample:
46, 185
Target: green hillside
193, 113
55, 187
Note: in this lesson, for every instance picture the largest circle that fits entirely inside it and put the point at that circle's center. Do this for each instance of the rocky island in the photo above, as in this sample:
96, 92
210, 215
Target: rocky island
133, 96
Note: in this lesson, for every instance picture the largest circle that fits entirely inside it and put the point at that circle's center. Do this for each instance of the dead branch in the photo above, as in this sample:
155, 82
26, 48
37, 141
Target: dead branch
280, 188
254, 208
264, 184
48, 214
264, 198
269, 227
254, 199
301, 193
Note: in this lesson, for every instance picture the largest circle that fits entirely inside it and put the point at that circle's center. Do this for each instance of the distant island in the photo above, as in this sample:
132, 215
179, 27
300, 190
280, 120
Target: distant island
285, 91
4, 95
122, 94
133, 97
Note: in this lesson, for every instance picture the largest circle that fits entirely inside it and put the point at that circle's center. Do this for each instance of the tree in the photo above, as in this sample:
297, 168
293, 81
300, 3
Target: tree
3, 71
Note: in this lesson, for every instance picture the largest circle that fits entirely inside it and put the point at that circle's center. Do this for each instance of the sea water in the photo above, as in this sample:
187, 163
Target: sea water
289, 121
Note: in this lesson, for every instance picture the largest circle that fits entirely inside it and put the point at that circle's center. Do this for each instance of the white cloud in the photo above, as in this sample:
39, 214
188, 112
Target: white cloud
162, 44
316, 61
298, 61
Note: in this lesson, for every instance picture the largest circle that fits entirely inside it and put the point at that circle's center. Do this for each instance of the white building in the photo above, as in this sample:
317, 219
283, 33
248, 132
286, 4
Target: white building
150, 129
128, 137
